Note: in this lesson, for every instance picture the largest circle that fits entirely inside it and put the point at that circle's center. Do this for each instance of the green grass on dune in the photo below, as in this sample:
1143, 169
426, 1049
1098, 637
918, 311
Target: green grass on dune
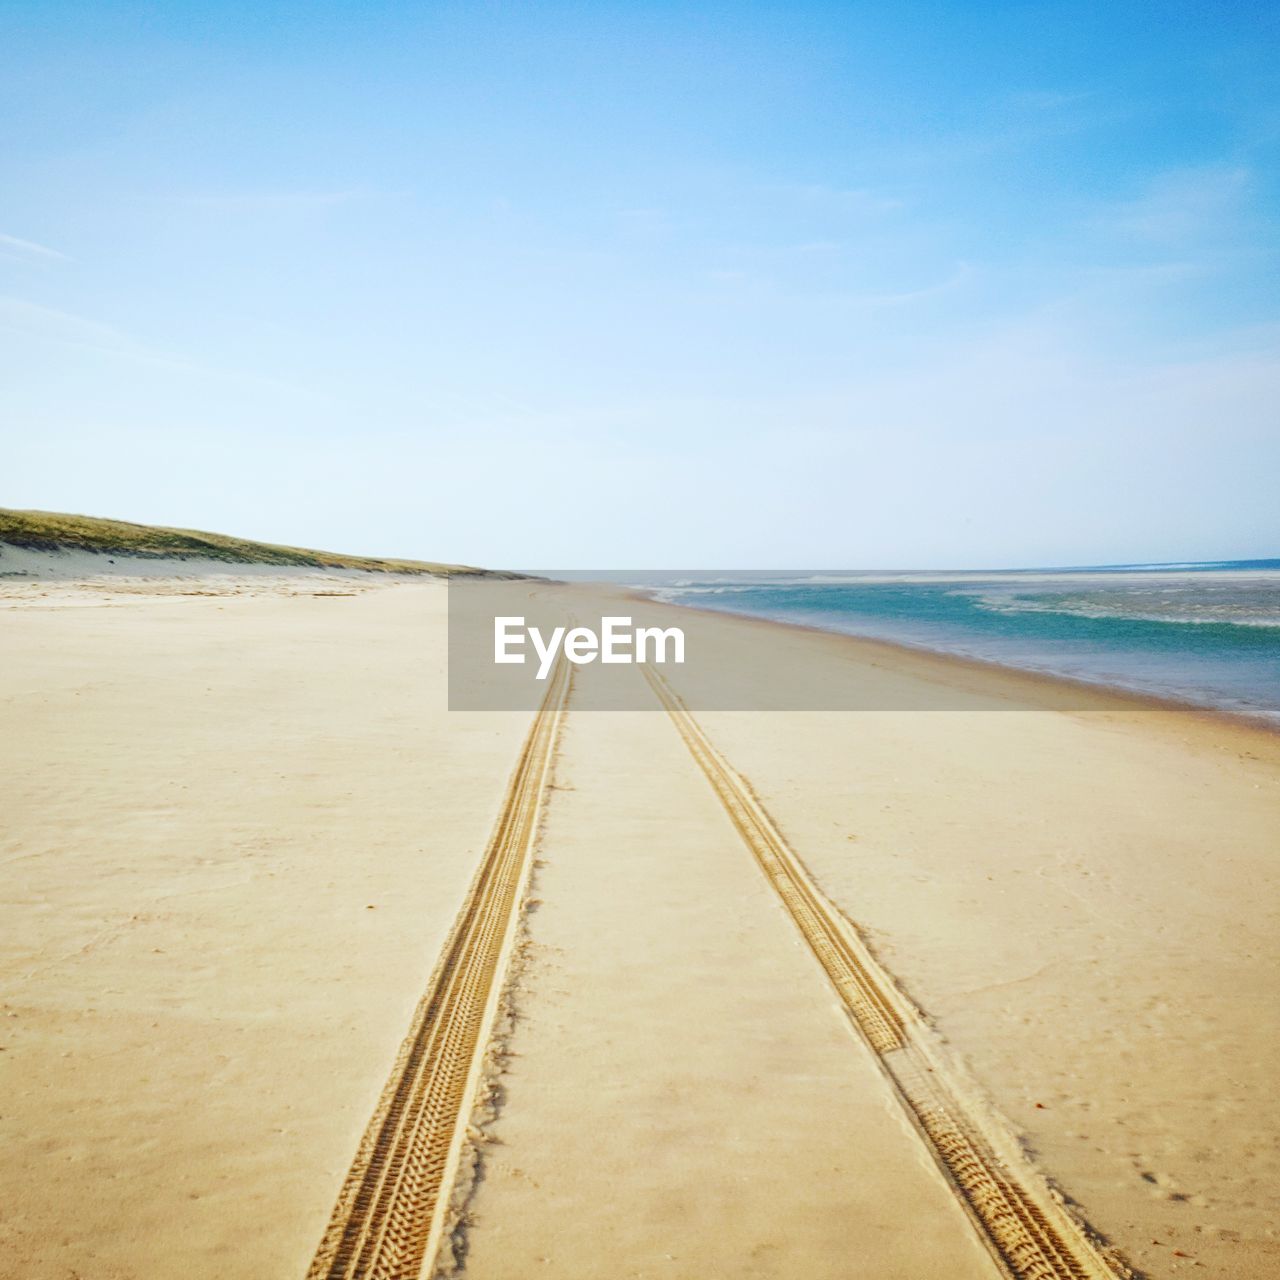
53, 531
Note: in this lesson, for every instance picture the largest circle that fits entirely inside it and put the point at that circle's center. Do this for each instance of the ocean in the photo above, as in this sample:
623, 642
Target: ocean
1206, 634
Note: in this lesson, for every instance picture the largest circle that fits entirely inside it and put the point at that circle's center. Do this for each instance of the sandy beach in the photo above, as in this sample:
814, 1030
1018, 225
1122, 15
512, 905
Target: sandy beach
640, 643
239, 824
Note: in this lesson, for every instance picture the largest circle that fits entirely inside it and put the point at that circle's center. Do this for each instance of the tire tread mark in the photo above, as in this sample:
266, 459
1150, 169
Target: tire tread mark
1031, 1237
389, 1211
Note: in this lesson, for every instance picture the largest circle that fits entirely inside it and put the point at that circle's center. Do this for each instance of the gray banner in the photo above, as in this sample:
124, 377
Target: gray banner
505, 637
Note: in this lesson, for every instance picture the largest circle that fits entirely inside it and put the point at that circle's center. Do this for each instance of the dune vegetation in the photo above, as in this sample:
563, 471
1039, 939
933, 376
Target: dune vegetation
56, 531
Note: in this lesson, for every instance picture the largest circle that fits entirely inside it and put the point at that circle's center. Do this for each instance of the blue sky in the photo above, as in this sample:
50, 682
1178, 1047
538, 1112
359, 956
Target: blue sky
649, 285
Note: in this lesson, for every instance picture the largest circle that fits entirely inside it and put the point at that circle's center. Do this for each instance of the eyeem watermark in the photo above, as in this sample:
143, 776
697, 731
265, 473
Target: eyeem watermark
617, 641
507, 633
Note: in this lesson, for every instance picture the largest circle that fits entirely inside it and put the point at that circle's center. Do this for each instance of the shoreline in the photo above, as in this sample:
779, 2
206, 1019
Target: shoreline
1048, 689
1126, 698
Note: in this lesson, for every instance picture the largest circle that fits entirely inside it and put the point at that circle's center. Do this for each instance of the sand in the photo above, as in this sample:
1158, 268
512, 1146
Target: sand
237, 828
683, 1098
235, 833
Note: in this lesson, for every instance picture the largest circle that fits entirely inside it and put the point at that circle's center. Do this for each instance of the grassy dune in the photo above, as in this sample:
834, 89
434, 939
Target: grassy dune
55, 531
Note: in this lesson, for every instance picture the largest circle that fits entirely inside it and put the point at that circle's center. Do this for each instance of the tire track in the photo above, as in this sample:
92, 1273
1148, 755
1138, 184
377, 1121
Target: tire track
1025, 1227
389, 1215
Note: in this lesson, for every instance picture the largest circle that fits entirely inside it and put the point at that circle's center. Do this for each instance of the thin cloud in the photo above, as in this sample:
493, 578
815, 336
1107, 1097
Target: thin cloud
851, 200
64, 328
271, 201
29, 248
1182, 205
1050, 99
644, 220
1016, 123
961, 275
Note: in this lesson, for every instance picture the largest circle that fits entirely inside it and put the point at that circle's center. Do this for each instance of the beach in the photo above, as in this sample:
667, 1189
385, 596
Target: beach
240, 822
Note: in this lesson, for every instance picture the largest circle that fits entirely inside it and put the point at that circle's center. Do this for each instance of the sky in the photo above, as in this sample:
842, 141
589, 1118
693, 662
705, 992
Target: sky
643, 285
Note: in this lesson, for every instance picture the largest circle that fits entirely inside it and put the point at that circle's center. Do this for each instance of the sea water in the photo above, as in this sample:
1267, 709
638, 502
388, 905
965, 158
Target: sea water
1207, 634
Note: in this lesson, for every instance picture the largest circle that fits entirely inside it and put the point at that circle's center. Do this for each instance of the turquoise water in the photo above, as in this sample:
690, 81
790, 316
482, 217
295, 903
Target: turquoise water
1208, 634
